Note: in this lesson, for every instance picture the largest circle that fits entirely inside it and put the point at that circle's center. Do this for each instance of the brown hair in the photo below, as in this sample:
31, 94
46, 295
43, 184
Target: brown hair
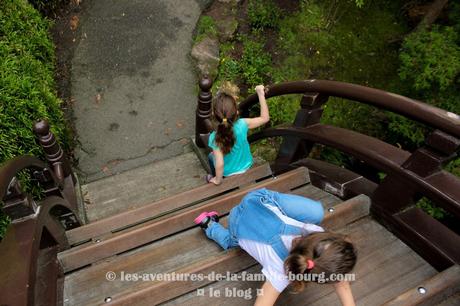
331, 253
225, 113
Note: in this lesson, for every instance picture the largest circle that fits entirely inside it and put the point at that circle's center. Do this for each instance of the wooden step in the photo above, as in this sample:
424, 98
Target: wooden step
436, 289
386, 267
156, 229
232, 261
89, 286
150, 211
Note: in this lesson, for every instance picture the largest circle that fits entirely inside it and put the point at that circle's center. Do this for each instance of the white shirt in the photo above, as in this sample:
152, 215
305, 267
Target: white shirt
272, 265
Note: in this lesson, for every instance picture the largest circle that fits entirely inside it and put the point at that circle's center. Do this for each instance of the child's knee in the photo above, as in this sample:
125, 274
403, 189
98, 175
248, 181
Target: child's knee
315, 213
318, 214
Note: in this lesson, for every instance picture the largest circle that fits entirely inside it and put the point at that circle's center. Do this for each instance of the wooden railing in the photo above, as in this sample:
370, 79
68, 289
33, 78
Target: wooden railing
409, 176
30, 273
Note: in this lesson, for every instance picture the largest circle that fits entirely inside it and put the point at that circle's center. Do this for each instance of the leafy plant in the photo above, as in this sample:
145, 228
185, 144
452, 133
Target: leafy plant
4, 222
27, 88
430, 58
252, 69
431, 209
263, 14
256, 63
47, 7
205, 27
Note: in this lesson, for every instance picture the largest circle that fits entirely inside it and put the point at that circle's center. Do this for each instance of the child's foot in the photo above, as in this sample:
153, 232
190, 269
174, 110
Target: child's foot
208, 178
205, 217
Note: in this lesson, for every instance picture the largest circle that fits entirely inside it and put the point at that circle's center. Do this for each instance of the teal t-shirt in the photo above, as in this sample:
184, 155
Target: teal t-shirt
239, 159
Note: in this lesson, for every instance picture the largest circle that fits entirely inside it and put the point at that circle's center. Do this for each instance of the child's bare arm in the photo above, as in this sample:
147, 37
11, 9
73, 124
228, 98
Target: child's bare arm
264, 113
268, 295
219, 159
343, 290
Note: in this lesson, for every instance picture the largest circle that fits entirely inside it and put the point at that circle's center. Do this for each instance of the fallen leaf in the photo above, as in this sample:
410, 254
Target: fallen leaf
98, 98
105, 169
76, 2
74, 22
179, 124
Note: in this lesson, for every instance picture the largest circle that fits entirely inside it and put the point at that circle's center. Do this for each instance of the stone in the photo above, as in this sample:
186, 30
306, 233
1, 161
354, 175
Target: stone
227, 27
206, 54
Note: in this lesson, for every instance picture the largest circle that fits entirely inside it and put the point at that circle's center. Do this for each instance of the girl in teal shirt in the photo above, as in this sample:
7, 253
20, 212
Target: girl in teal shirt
231, 152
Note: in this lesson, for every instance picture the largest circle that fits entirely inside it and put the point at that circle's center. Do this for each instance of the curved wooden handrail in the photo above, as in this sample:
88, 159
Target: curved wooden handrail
31, 254
12, 167
443, 187
413, 109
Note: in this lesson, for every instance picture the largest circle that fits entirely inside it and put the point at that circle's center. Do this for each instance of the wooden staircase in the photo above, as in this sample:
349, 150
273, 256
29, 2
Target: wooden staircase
161, 240
52, 259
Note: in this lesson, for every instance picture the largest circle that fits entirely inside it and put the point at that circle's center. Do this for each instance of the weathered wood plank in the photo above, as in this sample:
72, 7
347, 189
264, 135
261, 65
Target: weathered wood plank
78, 257
157, 292
351, 209
376, 249
165, 255
438, 288
155, 209
453, 300
89, 285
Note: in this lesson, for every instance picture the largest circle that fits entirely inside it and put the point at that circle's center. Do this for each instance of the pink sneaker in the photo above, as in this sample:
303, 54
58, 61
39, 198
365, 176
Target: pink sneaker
205, 217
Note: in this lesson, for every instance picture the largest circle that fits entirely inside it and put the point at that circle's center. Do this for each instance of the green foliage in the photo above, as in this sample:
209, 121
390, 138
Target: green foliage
429, 70
253, 68
205, 27
429, 208
27, 89
283, 109
354, 49
256, 63
26, 79
263, 14
229, 68
4, 222
359, 3
46, 7
430, 58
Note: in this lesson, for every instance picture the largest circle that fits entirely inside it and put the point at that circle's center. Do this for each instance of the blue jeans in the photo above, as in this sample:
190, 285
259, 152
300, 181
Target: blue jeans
296, 207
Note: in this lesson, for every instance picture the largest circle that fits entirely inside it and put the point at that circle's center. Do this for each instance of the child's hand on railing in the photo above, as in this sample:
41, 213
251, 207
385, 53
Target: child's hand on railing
260, 90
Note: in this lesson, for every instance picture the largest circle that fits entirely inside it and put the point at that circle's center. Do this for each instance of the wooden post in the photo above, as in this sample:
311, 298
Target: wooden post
393, 194
203, 111
55, 156
18, 204
292, 148
439, 149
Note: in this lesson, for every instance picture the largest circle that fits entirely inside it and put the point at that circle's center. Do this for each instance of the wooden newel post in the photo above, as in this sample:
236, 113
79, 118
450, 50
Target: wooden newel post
54, 154
203, 111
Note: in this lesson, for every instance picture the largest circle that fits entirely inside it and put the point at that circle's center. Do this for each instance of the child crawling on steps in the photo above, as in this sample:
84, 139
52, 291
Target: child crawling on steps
281, 232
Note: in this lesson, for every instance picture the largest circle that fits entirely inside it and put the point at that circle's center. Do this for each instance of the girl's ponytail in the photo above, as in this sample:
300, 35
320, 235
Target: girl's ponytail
296, 265
225, 113
224, 136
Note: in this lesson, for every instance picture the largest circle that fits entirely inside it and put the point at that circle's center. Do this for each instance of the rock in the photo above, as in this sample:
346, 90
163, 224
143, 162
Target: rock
227, 27
224, 14
206, 54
